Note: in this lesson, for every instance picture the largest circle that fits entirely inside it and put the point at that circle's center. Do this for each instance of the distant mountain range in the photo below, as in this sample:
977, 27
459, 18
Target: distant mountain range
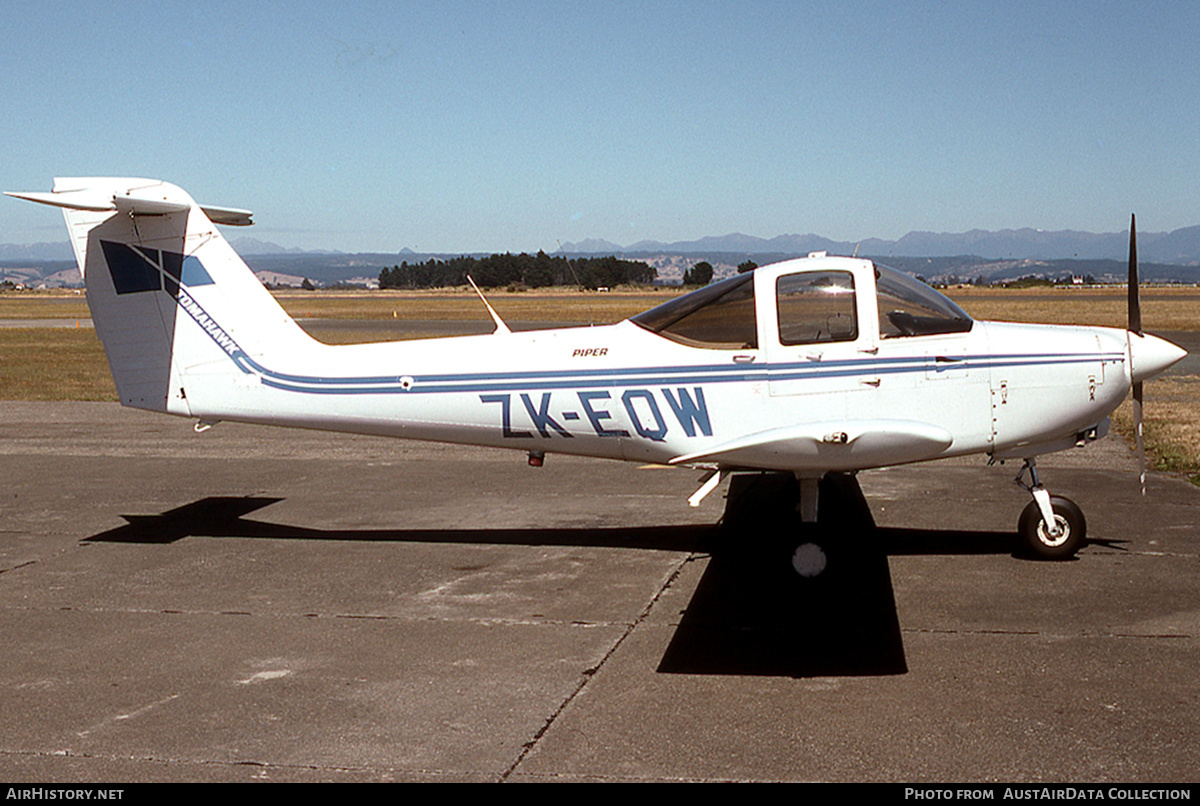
1180, 247
39, 252
44, 252
1165, 256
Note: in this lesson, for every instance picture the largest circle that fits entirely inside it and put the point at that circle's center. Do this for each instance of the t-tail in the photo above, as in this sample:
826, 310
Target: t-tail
155, 267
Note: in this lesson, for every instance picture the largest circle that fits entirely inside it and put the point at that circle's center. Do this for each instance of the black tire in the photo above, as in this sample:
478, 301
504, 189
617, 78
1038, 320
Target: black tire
1044, 546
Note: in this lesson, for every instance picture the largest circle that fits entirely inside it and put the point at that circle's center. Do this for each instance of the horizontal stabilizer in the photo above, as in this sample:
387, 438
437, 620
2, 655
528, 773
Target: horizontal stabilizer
230, 216
829, 446
137, 201
74, 200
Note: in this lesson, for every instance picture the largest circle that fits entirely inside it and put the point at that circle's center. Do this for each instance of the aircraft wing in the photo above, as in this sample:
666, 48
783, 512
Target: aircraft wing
845, 445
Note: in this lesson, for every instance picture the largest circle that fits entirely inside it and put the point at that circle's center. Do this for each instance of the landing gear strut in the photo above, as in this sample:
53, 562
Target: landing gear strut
806, 528
808, 556
1052, 527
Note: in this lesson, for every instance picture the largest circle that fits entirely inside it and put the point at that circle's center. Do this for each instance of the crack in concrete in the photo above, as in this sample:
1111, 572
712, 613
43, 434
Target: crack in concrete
485, 620
1042, 633
589, 674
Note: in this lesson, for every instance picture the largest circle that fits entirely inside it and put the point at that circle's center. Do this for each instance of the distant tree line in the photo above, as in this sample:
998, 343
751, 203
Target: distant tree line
532, 271
1025, 281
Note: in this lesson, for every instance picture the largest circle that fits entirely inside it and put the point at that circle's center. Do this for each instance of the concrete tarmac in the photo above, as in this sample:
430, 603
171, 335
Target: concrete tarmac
260, 604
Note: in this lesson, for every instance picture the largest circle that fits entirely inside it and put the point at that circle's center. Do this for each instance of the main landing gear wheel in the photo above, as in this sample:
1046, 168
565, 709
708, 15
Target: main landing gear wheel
808, 559
1042, 542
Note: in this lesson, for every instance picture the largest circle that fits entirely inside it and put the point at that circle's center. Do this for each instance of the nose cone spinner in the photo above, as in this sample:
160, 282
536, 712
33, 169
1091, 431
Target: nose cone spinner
1150, 355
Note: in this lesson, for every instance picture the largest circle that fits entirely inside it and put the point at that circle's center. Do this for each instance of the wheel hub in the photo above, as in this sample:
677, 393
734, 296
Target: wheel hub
808, 560
1051, 539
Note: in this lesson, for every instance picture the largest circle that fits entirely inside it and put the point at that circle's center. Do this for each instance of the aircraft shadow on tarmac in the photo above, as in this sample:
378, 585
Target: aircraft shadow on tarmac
751, 614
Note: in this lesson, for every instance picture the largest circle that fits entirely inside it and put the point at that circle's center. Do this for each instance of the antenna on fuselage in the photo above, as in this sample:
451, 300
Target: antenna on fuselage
569, 266
500, 326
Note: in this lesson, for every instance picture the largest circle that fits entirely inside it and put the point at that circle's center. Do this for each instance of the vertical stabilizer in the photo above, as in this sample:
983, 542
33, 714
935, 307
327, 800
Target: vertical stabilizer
170, 299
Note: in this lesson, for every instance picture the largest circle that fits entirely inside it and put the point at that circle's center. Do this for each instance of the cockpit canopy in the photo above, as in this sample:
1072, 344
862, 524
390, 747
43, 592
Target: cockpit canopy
813, 305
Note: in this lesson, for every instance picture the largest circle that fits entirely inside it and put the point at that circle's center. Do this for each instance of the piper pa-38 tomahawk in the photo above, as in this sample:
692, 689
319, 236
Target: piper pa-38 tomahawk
810, 366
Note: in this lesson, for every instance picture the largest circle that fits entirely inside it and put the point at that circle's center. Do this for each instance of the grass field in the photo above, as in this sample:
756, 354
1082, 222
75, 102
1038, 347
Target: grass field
69, 364
1162, 308
531, 306
53, 364
1172, 424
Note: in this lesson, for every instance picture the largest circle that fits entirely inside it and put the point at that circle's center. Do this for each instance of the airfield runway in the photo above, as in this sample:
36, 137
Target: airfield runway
254, 603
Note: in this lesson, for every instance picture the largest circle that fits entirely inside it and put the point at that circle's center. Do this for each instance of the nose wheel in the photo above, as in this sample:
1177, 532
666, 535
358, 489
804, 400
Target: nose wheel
1051, 527
1060, 541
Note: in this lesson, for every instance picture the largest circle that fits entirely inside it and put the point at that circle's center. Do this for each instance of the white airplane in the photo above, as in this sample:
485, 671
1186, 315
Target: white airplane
811, 366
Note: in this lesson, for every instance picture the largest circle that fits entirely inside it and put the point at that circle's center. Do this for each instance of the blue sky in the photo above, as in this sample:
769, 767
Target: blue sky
476, 126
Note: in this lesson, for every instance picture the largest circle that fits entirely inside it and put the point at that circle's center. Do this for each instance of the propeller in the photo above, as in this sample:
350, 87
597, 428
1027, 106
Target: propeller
1135, 327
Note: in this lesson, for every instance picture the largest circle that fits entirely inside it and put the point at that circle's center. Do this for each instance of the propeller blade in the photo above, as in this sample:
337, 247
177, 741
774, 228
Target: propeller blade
1137, 429
1135, 326
1135, 303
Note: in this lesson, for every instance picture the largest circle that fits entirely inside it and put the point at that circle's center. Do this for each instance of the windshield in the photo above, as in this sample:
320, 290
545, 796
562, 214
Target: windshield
719, 316
908, 307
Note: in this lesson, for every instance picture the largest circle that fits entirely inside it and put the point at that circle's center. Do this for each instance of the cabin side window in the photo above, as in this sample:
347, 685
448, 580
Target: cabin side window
720, 316
816, 307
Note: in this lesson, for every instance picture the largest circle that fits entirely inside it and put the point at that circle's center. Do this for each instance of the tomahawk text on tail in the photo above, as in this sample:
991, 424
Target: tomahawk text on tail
816, 365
